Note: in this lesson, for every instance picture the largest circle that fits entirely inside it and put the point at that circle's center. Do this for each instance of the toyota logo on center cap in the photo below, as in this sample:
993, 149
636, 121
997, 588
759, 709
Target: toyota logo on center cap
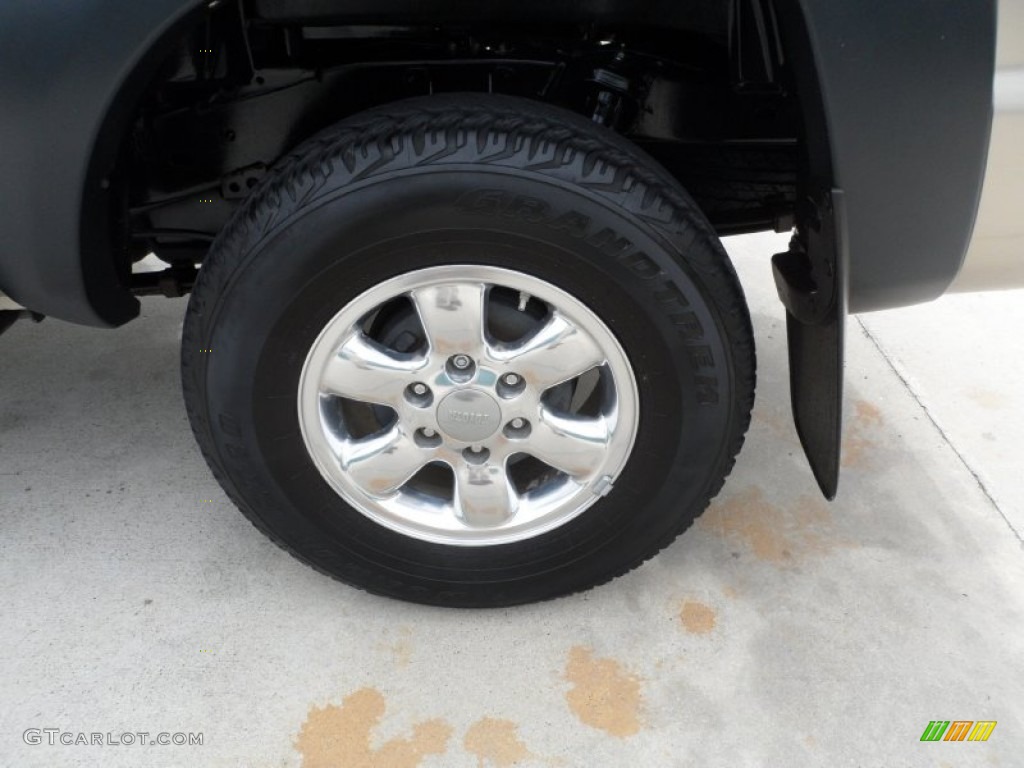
469, 415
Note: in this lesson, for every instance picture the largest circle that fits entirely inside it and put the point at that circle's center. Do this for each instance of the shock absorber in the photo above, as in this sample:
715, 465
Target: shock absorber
612, 90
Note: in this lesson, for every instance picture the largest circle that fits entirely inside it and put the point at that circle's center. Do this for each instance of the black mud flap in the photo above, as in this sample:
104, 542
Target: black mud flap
811, 278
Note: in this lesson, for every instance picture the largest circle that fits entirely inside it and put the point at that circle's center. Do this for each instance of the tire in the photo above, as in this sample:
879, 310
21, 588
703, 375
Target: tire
482, 190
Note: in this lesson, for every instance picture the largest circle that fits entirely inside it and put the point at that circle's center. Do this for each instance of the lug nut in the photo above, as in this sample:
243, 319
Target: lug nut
460, 368
510, 385
426, 438
518, 428
419, 394
476, 455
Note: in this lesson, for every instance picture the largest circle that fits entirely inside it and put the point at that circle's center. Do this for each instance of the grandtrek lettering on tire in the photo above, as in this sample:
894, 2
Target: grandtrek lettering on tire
534, 211
494, 202
605, 359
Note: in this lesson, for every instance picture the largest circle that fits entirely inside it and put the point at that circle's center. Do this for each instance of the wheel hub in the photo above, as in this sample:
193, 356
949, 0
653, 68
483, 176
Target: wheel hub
468, 437
469, 415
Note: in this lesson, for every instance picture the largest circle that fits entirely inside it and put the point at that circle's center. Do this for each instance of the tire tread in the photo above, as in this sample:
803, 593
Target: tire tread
445, 122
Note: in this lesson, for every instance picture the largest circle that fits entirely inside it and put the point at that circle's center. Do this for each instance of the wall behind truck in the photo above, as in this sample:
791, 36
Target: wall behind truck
995, 258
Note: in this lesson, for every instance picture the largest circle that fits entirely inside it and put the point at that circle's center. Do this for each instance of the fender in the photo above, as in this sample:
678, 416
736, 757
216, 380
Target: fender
896, 102
69, 85
893, 180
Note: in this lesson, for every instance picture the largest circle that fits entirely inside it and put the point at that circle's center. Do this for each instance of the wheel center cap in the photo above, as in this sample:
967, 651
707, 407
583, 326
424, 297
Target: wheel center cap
469, 415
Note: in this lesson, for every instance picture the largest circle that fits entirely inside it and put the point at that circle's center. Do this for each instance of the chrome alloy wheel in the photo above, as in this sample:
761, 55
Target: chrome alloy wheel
468, 405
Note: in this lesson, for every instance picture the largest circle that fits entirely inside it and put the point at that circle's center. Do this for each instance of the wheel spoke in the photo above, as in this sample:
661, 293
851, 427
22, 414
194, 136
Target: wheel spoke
571, 444
365, 371
484, 496
453, 317
382, 464
558, 352
469, 396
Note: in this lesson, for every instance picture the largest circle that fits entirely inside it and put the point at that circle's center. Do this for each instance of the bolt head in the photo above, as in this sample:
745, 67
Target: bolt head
419, 389
512, 379
517, 423
461, 362
428, 432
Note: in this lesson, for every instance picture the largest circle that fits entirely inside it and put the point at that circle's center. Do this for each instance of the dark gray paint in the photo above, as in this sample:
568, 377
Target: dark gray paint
906, 87
62, 63
907, 92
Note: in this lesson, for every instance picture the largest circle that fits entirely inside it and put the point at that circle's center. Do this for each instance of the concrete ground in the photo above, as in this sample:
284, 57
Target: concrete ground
779, 631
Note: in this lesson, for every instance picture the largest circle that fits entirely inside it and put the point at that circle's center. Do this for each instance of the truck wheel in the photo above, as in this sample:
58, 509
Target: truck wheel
469, 351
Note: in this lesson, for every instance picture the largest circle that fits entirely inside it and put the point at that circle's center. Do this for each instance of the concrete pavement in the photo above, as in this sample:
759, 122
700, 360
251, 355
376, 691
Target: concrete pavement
780, 631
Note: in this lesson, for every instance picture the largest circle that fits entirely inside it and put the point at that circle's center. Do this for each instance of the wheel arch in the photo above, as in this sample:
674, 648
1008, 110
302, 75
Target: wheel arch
62, 257
876, 122
876, 90
56, 258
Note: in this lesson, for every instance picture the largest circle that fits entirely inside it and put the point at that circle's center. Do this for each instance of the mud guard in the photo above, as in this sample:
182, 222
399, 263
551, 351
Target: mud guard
811, 278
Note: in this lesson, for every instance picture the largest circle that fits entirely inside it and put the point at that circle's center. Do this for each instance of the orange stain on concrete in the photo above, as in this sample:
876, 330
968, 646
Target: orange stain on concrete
495, 743
697, 617
604, 695
401, 648
867, 413
731, 592
402, 651
781, 425
856, 450
986, 398
340, 736
773, 534
857, 442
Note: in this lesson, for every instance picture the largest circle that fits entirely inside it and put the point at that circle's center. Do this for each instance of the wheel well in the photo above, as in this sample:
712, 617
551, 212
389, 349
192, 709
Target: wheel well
706, 92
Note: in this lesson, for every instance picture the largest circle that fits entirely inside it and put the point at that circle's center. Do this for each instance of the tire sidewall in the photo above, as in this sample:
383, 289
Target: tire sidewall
318, 260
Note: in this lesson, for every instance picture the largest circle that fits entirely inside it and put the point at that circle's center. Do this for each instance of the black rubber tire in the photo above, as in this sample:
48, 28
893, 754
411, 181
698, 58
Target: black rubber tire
469, 179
